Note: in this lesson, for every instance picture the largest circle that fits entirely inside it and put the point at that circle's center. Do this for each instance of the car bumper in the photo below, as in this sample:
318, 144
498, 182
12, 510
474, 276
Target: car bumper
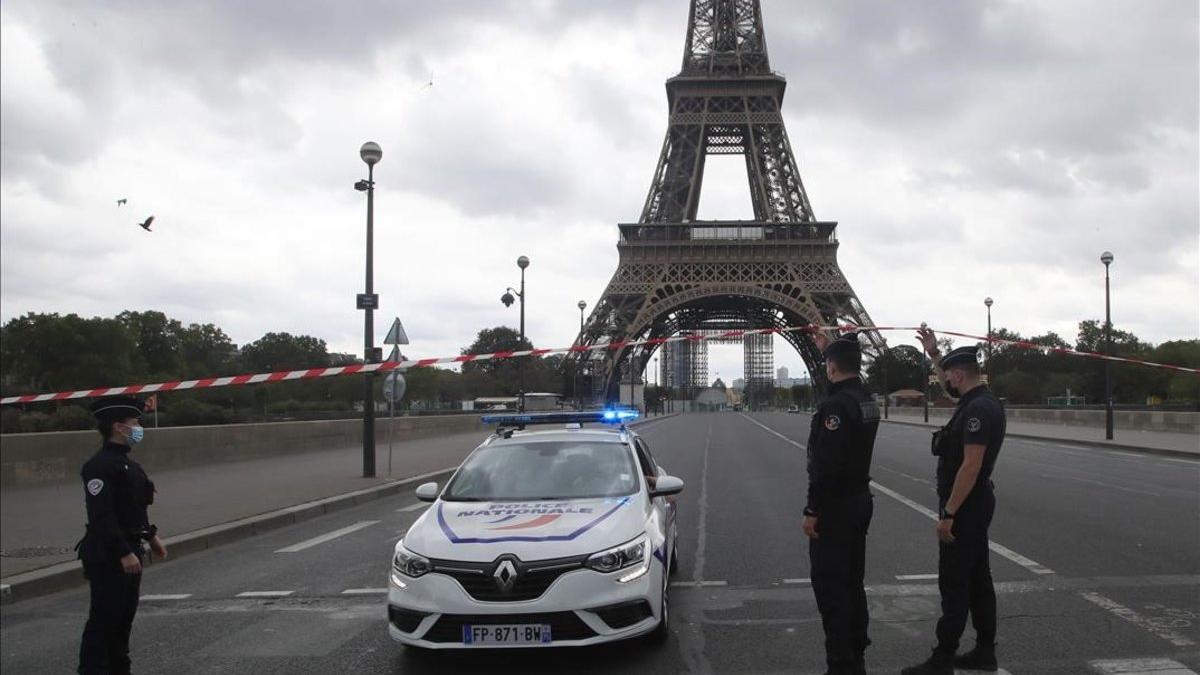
429, 611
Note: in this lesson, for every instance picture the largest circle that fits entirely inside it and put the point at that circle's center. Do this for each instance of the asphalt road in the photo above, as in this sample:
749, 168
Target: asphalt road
1097, 563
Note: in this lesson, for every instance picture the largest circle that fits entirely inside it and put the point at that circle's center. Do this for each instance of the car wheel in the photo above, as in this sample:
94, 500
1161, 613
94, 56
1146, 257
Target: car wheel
662, 631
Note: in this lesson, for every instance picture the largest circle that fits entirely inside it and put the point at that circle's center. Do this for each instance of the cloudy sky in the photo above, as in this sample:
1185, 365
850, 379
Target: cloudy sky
967, 149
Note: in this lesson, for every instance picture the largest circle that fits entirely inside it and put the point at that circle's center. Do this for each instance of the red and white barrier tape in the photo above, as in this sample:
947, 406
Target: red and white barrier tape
386, 366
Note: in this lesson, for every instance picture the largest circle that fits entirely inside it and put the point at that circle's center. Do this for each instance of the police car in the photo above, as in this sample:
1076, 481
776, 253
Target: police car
549, 534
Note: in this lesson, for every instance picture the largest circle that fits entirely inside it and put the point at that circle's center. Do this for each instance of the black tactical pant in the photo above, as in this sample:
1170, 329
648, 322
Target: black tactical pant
105, 644
965, 574
837, 560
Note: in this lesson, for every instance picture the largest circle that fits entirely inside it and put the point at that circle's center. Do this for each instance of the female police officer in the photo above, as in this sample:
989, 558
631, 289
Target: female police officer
117, 492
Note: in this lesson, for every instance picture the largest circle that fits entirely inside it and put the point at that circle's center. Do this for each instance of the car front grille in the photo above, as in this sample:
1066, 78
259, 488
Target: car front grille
563, 625
531, 581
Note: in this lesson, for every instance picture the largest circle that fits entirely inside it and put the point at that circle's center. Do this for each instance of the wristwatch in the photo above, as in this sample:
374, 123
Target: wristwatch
946, 515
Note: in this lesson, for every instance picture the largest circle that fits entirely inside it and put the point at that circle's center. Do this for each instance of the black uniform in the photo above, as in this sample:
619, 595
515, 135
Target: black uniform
117, 492
839, 463
964, 573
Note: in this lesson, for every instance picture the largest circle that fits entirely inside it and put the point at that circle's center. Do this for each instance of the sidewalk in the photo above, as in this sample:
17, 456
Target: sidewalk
1173, 442
40, 525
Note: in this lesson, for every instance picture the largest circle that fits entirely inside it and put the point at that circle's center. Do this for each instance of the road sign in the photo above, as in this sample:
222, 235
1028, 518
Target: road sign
396, 355
396, 334
367, 301
394, 386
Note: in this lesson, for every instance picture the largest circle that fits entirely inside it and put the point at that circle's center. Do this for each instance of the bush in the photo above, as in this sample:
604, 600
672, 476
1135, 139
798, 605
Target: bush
10, 421
34, 421
72, 418
189, 412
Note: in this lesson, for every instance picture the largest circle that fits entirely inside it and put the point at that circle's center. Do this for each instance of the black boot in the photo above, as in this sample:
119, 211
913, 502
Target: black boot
982, 657
938, 663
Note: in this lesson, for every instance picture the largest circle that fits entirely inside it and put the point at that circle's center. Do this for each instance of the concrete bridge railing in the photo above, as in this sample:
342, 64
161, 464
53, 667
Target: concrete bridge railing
55, 457
1132, 420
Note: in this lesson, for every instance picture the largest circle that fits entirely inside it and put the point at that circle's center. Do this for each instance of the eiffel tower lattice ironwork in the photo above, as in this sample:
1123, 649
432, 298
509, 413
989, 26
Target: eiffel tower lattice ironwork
680, 275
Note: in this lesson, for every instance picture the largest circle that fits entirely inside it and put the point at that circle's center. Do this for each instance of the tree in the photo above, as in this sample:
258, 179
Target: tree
158, 342
284, 351
206, 351
905, 369
47, 352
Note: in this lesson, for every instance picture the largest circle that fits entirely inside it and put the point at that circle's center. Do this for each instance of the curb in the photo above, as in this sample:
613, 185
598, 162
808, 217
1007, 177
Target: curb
1167, 452
69, 574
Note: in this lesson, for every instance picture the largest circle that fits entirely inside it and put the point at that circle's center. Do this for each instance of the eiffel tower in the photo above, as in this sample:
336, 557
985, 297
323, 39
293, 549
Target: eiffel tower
678, 274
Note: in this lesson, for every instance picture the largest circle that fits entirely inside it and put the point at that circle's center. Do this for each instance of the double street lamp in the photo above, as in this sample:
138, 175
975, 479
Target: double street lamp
507, 299
371, 153
1107, 258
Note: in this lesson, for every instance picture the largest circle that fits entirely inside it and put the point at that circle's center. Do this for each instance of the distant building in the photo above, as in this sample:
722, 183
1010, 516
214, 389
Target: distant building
781, 375
739, 384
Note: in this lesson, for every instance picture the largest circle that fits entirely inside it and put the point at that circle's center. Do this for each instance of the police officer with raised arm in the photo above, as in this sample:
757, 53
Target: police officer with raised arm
116, 492
839, 506
966, 449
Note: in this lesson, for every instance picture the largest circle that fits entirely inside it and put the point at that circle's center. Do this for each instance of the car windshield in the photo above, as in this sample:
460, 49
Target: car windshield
545, 470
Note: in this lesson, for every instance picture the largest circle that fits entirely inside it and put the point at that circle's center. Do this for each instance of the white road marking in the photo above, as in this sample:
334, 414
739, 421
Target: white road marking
1101, 484
265, 594
915, 577
797, 581
166, 596
365, 591
328, 536
412, 507
699, 584
1141, 667
1136, 619
1012, 555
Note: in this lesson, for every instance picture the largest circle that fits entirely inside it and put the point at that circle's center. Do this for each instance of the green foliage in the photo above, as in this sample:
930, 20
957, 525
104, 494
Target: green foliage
190, 412
284, 351
72, 418
904, 368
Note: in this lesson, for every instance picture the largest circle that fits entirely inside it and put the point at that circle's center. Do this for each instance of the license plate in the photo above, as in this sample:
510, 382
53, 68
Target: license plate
507, 634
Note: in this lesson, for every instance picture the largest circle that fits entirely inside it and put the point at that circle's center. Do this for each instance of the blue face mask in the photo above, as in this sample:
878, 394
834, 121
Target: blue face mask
136, 434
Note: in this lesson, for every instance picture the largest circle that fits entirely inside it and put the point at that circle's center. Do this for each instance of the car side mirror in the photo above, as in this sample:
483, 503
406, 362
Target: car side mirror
427, 492
666, 485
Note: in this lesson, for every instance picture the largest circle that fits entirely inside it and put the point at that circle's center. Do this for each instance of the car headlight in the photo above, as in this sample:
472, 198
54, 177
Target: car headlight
635, 553
408, 563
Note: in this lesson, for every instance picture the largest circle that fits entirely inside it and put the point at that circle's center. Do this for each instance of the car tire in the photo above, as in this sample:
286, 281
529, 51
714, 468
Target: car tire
662, 631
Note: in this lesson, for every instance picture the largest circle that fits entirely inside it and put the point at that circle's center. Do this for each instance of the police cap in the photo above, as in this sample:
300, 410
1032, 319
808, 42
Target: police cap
116, 408
845, 350
960, 356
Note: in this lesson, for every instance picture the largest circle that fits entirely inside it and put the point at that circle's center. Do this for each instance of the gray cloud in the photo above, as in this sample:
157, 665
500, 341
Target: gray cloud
1020, 137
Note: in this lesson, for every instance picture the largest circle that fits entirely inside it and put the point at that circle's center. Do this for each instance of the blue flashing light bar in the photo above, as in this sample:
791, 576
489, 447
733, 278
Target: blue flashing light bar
584, 417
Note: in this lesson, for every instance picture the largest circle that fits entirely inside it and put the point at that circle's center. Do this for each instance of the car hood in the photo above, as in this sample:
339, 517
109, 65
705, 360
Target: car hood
530, 530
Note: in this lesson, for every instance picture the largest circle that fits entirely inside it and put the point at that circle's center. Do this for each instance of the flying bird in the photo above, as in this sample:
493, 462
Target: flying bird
430, 83
146, 225
122, 201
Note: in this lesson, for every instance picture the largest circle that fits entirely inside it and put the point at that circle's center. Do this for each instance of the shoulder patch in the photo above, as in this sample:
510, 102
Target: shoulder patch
833, 422
974, 424
94, 486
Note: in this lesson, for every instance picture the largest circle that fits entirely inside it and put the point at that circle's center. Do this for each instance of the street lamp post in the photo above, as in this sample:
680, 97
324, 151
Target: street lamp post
507, 299
925, 374
370, 153
579, 367
886, 397
1107, 258
988, 366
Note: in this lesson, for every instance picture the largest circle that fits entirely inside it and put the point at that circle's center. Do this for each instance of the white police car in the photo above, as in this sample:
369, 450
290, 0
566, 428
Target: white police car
543, 537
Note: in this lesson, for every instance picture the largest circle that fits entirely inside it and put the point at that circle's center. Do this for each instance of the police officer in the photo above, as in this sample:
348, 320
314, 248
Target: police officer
839, 505
117, 492
966, 449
